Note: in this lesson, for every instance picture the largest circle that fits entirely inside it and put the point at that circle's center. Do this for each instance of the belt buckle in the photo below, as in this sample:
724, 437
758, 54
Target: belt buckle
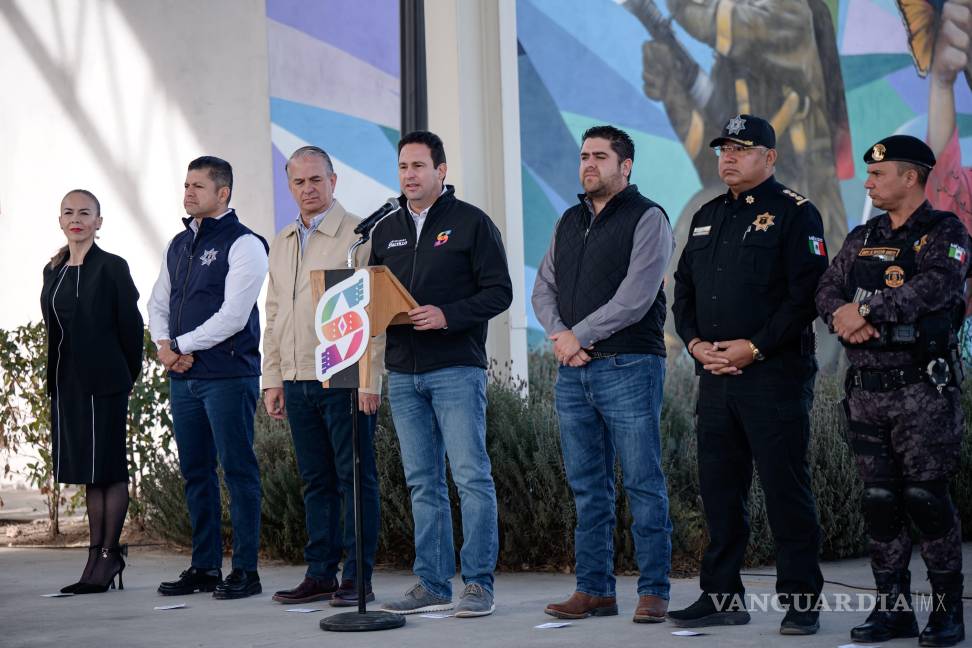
857, 380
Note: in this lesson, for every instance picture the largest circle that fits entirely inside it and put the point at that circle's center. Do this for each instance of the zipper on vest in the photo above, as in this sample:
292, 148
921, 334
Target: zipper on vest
580, 262
185, 284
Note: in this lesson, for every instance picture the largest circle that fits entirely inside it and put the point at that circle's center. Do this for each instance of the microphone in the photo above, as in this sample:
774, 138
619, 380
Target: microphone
365, 226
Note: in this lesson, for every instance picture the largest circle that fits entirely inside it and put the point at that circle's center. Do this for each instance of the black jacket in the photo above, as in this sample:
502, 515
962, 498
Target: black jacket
105, 336
459, 265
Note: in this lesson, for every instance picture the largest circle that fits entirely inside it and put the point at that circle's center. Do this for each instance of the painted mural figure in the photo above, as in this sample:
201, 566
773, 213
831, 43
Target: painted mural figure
894, 297
776, 58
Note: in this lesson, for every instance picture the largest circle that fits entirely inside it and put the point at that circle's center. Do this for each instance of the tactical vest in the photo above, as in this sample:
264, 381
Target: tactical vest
887, 264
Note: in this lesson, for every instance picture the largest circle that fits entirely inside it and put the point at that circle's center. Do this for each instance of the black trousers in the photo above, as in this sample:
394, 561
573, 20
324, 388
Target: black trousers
742, 420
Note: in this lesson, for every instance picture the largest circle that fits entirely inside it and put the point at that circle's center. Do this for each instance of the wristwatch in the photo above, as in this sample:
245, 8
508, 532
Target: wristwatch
174, 346
864, 309
757, 354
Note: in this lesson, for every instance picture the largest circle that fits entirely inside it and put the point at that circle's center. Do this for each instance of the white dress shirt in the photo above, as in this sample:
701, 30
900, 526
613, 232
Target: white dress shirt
248, 267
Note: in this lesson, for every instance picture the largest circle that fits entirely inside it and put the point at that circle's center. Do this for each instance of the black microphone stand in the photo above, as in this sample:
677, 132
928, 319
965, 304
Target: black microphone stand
362, 620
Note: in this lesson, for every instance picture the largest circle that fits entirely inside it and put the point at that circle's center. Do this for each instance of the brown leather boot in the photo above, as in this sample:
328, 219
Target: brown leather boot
651, 609
581, 606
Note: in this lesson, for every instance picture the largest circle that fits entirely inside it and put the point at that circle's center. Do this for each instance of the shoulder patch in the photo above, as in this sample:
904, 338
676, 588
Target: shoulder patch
795, 196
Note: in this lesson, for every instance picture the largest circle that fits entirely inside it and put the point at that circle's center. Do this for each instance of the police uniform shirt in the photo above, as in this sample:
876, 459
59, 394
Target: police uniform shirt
750, 268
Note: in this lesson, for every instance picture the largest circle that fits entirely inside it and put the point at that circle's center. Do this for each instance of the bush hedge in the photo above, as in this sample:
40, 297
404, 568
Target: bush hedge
536, 512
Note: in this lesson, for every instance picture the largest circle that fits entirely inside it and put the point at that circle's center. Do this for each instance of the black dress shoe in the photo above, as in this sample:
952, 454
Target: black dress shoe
800, 623
705, 613
347, 594
239, 584
192, 580
309, 590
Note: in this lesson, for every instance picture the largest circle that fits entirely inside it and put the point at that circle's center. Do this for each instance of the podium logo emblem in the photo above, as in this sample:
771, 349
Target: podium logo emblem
342, 325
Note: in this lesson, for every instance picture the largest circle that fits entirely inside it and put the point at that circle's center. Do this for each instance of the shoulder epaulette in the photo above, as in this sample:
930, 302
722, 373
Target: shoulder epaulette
795, 196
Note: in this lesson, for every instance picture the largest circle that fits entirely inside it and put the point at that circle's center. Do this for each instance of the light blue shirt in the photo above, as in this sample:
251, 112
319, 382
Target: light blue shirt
305, 231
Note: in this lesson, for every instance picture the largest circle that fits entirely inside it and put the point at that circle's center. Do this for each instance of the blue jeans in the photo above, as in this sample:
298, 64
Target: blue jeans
213, 420
611, 408
438, 413
320, 423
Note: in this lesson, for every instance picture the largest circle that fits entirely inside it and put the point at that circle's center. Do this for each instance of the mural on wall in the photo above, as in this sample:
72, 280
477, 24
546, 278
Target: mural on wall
334, 83
833, 76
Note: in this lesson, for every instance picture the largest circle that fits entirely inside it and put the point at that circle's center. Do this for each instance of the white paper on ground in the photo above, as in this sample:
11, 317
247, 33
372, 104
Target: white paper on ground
553, 624
435, 615
688, 633
858, 646
56, 595
177, 606
304, 610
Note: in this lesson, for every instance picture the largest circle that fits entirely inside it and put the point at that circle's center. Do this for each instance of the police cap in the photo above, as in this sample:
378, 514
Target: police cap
748, 131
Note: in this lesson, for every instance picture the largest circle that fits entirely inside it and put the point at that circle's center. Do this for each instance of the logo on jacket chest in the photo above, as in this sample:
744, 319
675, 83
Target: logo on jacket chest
442, 238
208, 256
397, 243
763, 222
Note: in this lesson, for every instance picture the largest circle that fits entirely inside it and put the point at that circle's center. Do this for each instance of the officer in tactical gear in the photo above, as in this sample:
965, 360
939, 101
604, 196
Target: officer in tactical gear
894, 296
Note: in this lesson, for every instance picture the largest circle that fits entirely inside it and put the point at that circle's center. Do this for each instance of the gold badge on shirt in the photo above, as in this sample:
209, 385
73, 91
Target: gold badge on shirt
750, 200
920, 243
763, 222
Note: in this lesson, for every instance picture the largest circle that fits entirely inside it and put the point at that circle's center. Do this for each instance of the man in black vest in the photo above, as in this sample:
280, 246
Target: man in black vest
598, 295
744, 308
203, 317
894, 295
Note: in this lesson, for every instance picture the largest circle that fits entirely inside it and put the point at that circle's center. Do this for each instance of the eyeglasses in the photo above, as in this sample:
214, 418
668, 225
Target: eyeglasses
734, 149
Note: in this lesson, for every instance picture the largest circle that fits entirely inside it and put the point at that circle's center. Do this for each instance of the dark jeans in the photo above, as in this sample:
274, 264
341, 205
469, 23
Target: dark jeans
320, 423
609, 409
741, 420
213, 420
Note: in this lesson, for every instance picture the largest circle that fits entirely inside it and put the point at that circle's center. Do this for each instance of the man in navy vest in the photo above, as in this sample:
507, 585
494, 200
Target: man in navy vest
203, 317
598, 295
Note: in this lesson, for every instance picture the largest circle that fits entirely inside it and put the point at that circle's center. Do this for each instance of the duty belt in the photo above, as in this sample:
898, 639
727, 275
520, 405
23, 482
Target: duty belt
882, 380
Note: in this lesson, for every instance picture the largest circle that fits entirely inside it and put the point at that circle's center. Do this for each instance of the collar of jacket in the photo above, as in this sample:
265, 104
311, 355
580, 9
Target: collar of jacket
616, 199
763, 189
211, 224
445, 197
328, 226
922, 215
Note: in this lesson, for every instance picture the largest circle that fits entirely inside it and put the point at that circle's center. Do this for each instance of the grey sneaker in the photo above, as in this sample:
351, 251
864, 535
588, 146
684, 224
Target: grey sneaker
418, 599
475, 601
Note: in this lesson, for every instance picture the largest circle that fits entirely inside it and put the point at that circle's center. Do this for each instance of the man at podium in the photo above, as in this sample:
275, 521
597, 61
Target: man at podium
450, 256
319, 420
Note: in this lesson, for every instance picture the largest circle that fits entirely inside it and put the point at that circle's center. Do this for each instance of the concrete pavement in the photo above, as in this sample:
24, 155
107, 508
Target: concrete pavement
127, 618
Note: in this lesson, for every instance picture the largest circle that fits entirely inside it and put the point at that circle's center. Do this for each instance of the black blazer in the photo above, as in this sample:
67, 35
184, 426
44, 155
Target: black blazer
106, 333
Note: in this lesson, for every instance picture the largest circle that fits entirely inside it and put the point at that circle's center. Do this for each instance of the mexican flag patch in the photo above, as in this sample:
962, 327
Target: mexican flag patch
817, 246
957, 252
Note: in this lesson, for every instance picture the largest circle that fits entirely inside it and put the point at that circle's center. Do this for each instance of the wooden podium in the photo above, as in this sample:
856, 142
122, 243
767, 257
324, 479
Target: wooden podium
388, 303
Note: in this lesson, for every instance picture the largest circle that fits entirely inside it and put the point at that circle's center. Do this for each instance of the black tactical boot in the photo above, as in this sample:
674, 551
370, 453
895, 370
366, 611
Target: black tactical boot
893, 615
945, 626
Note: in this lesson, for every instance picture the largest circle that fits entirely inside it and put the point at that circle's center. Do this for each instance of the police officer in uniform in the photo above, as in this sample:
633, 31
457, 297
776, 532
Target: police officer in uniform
744, 307
894, 296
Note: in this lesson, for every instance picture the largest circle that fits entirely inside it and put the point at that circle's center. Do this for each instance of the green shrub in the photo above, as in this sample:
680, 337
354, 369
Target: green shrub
536, 511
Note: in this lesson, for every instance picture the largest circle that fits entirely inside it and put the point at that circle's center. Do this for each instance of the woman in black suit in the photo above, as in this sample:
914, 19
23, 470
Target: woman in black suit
94, 355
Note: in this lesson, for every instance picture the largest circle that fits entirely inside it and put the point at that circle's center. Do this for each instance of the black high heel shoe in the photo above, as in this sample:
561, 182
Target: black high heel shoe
93, 552
109, 574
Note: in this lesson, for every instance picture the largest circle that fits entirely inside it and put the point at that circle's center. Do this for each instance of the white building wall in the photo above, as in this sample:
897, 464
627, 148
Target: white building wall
118, 97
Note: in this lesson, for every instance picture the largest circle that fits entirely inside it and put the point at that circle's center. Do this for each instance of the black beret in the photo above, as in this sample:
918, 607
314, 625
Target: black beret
748, 131
901, 148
